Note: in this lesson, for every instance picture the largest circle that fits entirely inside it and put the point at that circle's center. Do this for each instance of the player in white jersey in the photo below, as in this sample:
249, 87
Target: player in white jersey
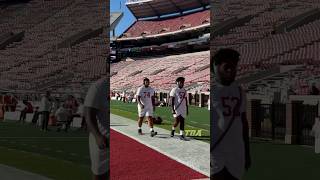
146, 105
96, 113
179, 106
230, 155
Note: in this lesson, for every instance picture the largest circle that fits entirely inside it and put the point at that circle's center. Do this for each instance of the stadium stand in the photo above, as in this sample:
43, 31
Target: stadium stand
60, 40
180, 33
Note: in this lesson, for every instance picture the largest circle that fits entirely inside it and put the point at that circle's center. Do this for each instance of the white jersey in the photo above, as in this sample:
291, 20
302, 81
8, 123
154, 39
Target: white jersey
230, 153
180, 97
97, 98
146, 95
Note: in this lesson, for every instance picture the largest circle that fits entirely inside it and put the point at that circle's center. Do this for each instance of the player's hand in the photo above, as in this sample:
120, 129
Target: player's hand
173, 112
248, 162
101, 141
142, 106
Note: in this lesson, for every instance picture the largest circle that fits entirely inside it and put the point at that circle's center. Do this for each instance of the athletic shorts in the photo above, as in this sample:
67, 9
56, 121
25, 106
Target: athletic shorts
179, 112
98, 157
145, 112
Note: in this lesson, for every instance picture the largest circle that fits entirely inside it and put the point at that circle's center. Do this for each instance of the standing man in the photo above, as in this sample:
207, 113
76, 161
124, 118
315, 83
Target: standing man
316, 133
96, 112
45, 108
146, 105
229, 133
179, 106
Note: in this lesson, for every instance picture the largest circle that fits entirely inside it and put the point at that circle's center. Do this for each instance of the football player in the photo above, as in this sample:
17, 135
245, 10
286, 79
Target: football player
230, 134
96, 115
179, 106
146, 105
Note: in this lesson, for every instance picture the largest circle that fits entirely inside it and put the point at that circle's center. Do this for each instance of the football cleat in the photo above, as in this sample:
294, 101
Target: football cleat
153, 133
172, 133
182, 138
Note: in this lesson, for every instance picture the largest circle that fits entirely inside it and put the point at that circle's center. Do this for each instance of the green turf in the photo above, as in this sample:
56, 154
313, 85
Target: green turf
57, 155
198, 119
279, 161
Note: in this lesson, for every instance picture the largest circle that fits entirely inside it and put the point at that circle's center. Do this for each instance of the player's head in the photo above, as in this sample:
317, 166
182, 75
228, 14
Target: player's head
47, 93
225, 63
146, 82
180, 82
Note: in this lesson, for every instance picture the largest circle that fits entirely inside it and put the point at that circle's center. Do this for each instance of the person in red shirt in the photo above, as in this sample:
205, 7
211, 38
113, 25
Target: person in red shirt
28, 108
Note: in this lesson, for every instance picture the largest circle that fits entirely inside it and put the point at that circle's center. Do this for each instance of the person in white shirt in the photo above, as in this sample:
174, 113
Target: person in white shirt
230, 155
63, 115
96, 114
179, 106
80, 112
146, 105
45, 108
316, 133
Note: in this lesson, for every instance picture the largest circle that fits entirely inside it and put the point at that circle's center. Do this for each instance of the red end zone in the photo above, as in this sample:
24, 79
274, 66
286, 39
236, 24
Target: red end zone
132, 160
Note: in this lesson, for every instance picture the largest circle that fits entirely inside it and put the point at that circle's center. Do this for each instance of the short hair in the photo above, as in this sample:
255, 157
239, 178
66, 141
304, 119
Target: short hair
145, 79
180, 79
225, 54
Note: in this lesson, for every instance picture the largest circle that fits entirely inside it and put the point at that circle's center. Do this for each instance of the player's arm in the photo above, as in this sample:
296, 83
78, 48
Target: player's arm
153, 102
139, 101
187, 106
139, 98
245, 125
92, 125
172, 104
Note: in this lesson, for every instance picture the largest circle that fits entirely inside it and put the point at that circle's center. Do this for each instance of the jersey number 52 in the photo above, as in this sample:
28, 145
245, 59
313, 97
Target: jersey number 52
229, 104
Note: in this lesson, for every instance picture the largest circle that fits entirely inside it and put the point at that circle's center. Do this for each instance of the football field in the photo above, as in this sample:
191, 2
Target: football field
279, 161
56, 155
198, 119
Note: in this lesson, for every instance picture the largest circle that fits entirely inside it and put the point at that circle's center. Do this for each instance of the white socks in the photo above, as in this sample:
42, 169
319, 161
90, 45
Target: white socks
151, 129
173, 128
181, 132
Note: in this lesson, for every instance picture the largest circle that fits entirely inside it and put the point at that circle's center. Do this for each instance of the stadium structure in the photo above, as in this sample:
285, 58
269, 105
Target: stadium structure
49, 45
279, 45
169, 39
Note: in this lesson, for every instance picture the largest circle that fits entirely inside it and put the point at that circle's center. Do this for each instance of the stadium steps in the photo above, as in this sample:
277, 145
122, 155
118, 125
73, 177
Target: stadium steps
202, 68
297, 48
52, 15
157, 71
80, 37
224, 27
11, 39
179, 70
299, 21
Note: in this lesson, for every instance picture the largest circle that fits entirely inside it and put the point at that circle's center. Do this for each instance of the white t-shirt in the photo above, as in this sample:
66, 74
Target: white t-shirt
180, 97
97, 98
62, 114
45, 104
145, 96
230, 153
